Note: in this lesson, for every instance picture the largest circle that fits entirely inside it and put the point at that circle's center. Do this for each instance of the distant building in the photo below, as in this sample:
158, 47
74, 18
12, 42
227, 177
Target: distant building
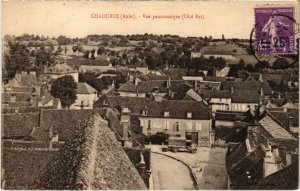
23, 79
86, 96
224, 56
140, 66
196, 54
176, 117
218, 43
156, 88
59, 70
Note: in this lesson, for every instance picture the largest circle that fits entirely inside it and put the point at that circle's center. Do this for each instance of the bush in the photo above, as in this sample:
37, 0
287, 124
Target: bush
157, 138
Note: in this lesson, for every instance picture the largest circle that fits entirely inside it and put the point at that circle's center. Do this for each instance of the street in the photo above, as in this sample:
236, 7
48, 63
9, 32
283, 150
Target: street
207, 164
170, 174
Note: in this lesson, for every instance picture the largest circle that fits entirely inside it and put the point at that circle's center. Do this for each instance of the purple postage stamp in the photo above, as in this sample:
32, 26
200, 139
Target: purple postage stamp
274, 30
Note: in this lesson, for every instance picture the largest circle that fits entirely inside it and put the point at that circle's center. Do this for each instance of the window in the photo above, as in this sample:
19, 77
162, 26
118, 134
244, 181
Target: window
167, 124
141, 123
149, 124
177, 126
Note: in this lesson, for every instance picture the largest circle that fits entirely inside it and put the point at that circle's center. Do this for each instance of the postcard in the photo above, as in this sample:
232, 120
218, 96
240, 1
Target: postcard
150, 95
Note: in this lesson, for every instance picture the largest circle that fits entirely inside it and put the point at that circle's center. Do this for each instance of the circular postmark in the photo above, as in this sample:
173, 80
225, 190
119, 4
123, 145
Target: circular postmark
274, 34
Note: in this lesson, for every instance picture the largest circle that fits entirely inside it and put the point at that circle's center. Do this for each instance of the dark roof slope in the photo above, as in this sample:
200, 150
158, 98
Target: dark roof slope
91, 159
23, 166
283, 117
63, 122
254, 86
285, 179
176, 108
19, 125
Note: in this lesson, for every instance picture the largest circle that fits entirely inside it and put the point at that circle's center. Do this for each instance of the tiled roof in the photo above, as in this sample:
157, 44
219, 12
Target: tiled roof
22, 89
285, 179
128, 87
99, 61
283, 117
24, 80
180, 91
84, 88
155, 77
150, 86
247, 161
59, 69
214, 79
177, 71
91, 159
63, 122
274, 128
245, 96
238, 96
229, 116
215, 93
22, 167
176, 108
278, 101
294, 96
19, 125
254, 86
20, 96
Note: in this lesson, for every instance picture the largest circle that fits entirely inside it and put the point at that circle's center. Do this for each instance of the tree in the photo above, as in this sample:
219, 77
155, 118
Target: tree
79, 48
62, 40
86, 54
44, 57
64, 88
281, 63
101, 50
16, 60
87, 76
74, 48
66, 49
234, 69
93, 53
261, 65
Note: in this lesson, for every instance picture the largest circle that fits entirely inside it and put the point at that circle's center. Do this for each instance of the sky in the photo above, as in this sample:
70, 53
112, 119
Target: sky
74, 19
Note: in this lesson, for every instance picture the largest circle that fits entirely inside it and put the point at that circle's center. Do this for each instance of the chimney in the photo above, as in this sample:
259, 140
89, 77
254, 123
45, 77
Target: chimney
196, 85
260, 78
166, 113
231, 89
291, 122
169, 83
52, 140
125, 121
279, 95
295, 157
189, 114
172, 95
262, 109
136, 82
271, 163
38, 90
282, 154
113, 83
262, 92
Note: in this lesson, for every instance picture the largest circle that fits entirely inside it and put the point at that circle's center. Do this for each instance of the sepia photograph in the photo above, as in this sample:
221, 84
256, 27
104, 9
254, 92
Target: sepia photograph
150, 95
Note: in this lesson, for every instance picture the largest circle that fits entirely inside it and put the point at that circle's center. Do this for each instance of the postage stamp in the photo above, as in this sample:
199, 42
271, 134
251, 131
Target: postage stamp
274, 30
